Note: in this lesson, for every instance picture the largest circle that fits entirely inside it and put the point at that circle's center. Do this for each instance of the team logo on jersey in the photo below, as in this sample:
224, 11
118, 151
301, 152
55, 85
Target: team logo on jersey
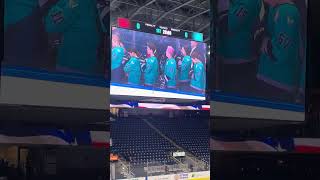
242, 12
284, 40
57, 17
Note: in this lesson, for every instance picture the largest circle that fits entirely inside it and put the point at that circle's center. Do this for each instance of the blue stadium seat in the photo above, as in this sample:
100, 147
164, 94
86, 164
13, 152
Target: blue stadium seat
134, 140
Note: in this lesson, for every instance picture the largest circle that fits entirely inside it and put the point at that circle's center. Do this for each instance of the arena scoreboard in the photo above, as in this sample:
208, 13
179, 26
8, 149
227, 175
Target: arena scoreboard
159, 30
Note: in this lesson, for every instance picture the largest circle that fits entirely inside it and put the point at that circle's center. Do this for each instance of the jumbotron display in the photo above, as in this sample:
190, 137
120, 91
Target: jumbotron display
56, 51
156, 65
260, 59
52, 37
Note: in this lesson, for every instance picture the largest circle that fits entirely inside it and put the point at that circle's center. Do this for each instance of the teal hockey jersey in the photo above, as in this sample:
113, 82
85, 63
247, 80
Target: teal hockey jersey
170, 71
151, 72
133, 69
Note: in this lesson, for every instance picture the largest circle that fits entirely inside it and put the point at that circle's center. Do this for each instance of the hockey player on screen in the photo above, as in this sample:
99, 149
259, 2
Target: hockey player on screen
151, 73
236, 24
198, 79
170, 69
133, 68
77, 22
279, 70
117, 58
184, 77
196, 47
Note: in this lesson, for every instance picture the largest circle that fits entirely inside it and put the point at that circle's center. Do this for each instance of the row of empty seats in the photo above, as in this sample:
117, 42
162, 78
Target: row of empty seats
191, 134
139, 144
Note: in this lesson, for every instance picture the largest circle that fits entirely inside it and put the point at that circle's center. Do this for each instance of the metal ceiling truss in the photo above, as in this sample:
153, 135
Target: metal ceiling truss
192, 15
141, 7
172, 10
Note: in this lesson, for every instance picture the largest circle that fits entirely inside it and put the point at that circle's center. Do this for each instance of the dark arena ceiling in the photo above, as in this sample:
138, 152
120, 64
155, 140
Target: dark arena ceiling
191, 15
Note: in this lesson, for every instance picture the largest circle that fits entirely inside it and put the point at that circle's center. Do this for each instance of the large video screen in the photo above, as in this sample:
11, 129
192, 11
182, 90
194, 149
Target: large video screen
150, 65
54, 46
260, 57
